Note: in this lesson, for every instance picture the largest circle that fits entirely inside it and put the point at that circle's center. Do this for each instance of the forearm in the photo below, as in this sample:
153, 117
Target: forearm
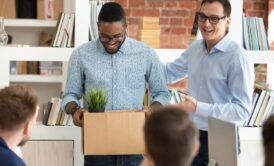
228, 111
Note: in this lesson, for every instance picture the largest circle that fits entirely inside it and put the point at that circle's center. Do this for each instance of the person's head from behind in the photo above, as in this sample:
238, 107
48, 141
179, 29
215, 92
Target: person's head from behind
171, 138
18, 110
112, 26
268, 140
214, 19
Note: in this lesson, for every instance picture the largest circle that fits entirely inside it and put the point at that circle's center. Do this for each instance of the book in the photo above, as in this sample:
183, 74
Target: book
46, 113
262, 109
268, 109
62, 31
70, 30
257, 107
57, 29
56, 105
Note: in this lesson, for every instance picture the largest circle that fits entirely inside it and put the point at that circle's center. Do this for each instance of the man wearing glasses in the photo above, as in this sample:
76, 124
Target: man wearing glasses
119, 65
220, 74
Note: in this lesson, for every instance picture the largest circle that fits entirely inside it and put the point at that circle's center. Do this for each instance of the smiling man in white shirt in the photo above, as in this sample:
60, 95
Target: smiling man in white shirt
220, 75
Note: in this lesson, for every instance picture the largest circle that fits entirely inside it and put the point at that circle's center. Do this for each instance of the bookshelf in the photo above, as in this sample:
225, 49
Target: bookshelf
27, 32
29, 23
30, 29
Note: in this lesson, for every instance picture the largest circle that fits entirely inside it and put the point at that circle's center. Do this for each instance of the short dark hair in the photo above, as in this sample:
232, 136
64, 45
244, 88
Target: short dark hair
112, 12
17, 105
170, 136
226, 5
268, 140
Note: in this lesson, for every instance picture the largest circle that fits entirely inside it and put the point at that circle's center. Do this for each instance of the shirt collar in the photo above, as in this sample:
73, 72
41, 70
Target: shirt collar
122, 48
222, 45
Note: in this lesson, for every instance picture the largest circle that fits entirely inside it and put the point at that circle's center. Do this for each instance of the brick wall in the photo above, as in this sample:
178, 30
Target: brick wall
177, 16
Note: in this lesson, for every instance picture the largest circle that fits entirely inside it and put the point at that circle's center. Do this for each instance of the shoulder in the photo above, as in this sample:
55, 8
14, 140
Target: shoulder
238, 55
83, 50
237, 51
91, 45
8, 158
134, 45
197, 44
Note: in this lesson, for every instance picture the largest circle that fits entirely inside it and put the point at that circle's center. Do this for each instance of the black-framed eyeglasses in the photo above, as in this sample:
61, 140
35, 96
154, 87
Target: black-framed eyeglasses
116, 38
212, 19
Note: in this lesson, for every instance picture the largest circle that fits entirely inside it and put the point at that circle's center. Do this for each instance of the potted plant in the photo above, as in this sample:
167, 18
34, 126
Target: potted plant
96, 100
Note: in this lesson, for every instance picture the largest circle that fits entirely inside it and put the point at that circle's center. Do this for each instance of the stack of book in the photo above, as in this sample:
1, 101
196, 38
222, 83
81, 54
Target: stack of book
262, 107
149, 31
254, 34
63, 36
54, 115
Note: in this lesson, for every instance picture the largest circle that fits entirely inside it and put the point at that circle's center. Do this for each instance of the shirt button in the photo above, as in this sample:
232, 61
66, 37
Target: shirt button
114, 71
114, 86
114, 101
201, 87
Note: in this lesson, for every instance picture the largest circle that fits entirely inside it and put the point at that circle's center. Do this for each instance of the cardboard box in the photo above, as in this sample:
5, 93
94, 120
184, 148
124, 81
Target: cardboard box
113, 133
7, 9
49, 9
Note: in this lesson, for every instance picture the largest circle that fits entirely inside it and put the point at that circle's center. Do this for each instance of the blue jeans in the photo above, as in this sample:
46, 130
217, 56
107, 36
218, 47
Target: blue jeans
202, 157
113, 160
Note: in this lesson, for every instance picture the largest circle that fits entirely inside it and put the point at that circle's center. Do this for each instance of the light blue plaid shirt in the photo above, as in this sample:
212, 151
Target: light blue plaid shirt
122, 75
221, 81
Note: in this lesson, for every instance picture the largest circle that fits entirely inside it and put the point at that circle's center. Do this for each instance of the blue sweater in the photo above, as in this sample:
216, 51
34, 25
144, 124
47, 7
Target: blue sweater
8, 157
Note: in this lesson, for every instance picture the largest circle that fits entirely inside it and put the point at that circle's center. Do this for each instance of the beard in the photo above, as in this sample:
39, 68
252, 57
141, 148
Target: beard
117, 49
23, 141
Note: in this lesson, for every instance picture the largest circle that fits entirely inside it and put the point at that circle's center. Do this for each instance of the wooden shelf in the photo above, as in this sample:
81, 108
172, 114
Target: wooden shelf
36, 78
36, 53
29, 23
261, 57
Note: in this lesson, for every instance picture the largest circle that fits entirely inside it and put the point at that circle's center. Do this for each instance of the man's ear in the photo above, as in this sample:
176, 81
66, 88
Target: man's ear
125, 25
29, 123
27, 129
228, 21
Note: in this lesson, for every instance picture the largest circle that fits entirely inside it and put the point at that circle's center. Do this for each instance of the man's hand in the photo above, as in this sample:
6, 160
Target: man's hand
188, 103
78, 117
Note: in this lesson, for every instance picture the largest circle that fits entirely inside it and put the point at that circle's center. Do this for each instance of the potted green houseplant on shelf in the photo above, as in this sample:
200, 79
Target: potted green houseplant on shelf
96, 100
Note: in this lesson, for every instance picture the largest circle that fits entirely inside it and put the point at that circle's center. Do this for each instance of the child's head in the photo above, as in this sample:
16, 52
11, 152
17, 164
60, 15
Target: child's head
171, 138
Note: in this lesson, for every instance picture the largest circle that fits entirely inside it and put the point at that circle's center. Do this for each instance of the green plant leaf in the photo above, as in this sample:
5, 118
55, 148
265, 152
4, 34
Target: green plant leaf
96, 99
